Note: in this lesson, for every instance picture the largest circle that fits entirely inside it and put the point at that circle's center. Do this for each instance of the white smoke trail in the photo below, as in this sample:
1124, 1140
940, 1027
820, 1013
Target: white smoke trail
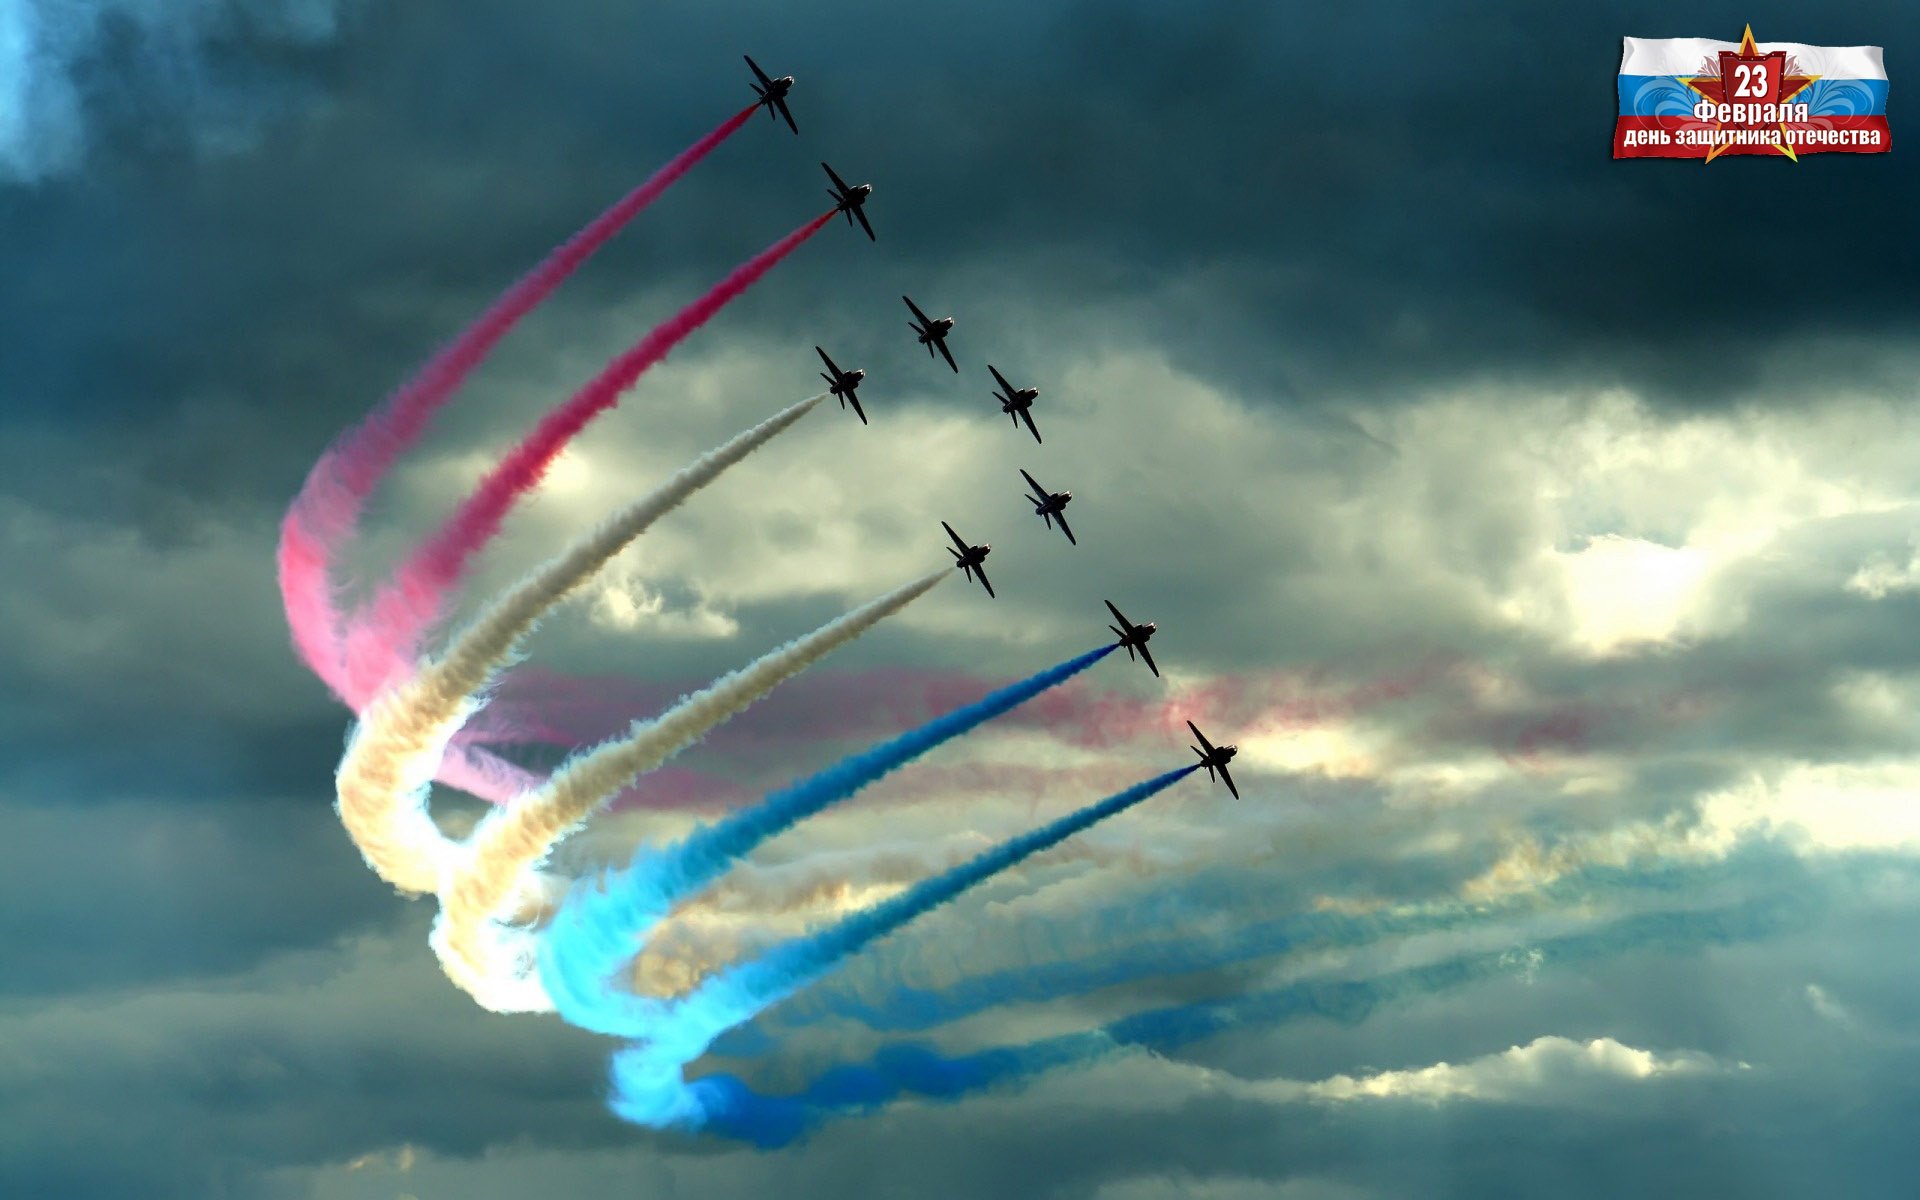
488, 959
399, 743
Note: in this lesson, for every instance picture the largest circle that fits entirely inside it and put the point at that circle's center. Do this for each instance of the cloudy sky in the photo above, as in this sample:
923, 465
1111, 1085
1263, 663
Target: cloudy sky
1542, 527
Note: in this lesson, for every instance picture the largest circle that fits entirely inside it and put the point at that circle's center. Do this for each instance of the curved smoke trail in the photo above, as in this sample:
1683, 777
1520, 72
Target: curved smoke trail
327, 510
390, 628
900, 1007
602, 923
649, 1085
400, 741
725, 1104
510, 843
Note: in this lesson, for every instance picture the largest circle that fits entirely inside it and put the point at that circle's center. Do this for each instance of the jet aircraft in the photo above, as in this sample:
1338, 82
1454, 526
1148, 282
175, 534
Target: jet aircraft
843, 384
1018, 402
1135, 637
1215, 758
970, 558
772, 92
850, 200
932, 333
1050, 506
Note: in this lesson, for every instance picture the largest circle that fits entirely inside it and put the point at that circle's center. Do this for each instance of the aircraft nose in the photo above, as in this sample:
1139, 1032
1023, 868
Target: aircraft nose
1065, 496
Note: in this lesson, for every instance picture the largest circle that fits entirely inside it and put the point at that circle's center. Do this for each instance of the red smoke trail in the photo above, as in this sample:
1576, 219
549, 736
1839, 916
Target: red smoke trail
327, 509
535, 706
306, 592
391, 627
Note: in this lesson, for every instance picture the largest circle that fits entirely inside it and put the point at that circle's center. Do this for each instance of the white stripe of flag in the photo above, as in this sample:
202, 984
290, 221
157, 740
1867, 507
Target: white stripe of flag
1683, 56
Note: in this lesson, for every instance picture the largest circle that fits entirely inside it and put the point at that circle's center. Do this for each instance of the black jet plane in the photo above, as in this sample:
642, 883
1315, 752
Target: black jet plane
843, 384
1050, 506
1135, 637
850, 200
970, 558
772, 92
932, 333
1215, 758
1018, 402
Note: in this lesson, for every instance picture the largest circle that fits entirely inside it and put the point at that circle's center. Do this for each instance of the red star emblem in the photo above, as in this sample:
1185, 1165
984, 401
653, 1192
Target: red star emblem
1746, 76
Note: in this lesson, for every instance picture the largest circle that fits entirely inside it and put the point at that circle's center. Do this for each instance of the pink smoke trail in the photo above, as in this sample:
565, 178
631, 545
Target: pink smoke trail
389, 630
327, 510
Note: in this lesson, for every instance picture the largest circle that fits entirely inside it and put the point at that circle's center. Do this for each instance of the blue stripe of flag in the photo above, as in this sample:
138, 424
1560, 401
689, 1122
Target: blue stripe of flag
1665, 95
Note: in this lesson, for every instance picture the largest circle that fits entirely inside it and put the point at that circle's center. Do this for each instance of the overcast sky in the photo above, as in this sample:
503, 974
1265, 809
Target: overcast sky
1542, 527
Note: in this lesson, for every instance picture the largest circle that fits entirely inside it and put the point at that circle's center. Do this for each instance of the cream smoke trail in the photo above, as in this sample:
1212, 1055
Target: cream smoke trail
399, 742
490, 961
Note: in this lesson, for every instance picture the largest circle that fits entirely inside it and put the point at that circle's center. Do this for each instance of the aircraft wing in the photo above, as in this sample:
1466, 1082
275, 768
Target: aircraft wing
1026, 414
1201, 736
1039, 492
1150, 662
1000, 379
913, 306
982, 573
860, 215
857, 410
828, 361
837, 181
758, 73
956, 537
948, 355
1116, 614
780, 102
1228, 780
1062, 518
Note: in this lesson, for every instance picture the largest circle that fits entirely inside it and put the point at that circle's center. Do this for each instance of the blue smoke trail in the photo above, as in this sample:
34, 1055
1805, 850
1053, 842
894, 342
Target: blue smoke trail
901, 1007
600, 925
649, 1088
730, 1107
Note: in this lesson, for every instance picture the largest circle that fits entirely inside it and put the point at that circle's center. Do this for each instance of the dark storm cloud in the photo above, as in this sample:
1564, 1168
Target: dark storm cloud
119, 893
1387, 195
247, 1051
194, 76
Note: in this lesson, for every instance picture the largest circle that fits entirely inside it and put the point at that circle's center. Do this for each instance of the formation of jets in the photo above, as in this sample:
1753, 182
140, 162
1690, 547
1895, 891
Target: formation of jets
1017, 403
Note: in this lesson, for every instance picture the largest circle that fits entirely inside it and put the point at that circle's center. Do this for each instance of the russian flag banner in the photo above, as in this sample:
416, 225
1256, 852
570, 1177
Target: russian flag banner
1698, 98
